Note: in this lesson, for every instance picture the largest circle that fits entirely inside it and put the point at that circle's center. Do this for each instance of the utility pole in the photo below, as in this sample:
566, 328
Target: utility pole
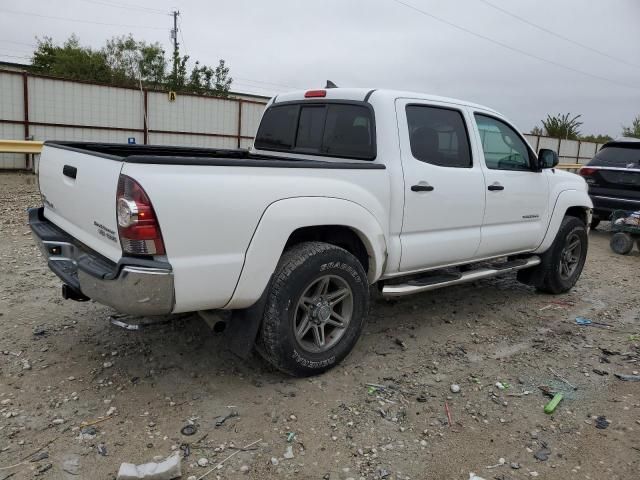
176, 54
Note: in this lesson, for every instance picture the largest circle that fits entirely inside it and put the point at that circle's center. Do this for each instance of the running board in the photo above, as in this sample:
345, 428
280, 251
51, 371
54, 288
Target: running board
411, 287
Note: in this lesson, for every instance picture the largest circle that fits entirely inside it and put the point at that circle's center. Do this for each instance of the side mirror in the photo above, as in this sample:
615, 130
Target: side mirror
547, 158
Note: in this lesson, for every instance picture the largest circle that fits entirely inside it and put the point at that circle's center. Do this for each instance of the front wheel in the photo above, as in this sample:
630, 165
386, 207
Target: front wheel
315, 310
562, 264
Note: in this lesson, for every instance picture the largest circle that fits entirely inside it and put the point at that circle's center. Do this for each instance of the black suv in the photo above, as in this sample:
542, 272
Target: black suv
613, 176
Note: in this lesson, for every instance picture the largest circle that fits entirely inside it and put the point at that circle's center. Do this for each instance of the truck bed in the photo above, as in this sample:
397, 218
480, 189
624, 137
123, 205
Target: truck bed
173, 155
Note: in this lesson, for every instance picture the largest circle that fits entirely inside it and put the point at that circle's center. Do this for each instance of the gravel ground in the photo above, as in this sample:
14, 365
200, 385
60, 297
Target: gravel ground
63, 365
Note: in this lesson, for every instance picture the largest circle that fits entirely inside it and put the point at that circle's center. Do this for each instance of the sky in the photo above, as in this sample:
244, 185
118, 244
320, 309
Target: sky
524, 59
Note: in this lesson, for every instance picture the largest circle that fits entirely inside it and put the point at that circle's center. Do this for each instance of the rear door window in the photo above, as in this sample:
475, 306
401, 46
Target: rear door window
328, 129
438, 136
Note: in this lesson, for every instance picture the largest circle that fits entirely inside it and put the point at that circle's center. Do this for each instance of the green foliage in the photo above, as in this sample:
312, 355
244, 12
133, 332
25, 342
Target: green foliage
596, 138
124, 61
70, 61
633, 130
131, 61
537, 131
562, 126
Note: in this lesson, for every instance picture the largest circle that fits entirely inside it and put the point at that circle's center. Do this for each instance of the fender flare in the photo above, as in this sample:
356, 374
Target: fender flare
281, 218
565, 200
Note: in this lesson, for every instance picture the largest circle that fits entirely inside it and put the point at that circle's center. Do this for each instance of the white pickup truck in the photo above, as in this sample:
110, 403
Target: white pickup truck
345, 190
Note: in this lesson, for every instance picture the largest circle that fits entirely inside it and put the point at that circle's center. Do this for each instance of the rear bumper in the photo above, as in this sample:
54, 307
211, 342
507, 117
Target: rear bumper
603, 206
134, 286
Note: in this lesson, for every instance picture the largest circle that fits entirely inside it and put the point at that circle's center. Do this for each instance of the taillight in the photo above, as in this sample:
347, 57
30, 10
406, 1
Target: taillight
315, 93
586, 171
137, 222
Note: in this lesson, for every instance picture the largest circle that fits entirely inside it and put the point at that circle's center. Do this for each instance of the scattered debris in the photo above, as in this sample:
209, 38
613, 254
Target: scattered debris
542, 454
586, 322
400, 343
203, 462
291, 436
515, 465
602, 422
219, 465
562, 379
550, 407
40, 456
288, 454
168, 469
220, 420
189, 429
473, 476
597, 371
71, 464
102, 449
628, 378
455, 388
501, 462
446, 409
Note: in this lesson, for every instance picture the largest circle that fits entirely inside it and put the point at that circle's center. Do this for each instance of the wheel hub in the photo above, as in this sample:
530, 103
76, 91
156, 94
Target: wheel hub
322, 311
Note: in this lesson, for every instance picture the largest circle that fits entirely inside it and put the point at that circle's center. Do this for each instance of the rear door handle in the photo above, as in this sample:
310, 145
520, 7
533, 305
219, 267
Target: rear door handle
421, 188
69, 171
495, 186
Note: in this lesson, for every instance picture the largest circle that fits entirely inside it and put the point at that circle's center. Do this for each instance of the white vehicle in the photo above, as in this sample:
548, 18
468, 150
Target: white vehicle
345, 190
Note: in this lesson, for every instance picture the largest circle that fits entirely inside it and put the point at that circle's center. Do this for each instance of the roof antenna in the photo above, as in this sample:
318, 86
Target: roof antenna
330, 84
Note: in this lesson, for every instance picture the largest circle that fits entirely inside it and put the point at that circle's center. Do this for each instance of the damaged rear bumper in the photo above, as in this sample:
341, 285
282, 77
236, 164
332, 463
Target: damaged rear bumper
134, 286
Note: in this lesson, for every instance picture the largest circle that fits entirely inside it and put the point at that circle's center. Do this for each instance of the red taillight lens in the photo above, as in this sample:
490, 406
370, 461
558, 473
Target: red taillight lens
137, 222
586, 171
315, 93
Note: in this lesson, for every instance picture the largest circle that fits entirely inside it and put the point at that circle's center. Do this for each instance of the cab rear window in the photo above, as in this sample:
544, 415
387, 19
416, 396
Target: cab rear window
343, 130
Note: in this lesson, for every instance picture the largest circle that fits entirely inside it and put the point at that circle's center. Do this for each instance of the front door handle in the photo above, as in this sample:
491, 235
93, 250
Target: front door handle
421, 188
494, 187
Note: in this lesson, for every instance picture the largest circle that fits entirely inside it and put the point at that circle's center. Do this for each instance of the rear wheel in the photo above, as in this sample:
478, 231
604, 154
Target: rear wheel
621, 243
315, 309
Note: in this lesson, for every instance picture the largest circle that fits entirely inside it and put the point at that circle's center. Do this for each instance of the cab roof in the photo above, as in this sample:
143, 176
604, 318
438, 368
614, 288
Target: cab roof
363, 94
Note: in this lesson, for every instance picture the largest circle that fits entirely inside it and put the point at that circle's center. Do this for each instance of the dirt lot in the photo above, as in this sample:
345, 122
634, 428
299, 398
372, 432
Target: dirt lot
62, 363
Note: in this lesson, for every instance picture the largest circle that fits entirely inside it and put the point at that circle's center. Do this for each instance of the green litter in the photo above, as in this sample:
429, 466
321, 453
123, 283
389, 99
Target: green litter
551, 406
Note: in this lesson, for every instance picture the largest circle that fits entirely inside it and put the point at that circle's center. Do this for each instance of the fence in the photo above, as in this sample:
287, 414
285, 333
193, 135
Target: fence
569, 151
40, 107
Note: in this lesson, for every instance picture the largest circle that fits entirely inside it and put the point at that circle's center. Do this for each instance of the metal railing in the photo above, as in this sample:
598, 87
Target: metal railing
20, 146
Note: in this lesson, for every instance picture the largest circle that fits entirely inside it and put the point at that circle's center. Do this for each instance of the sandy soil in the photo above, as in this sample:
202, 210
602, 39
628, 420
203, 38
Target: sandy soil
62, 363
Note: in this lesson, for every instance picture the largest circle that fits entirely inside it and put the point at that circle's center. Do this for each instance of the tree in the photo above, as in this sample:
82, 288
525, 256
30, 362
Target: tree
562, 126
132, 61
70, 60
633, 130
126, 61
537, 131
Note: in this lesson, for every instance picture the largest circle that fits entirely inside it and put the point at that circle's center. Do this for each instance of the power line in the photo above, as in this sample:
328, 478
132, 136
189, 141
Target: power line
558, 35
513, 49
18, 43
126, 6
78, 20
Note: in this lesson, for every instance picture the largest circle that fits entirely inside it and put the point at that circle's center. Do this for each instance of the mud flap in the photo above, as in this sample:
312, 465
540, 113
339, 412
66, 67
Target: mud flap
244, 327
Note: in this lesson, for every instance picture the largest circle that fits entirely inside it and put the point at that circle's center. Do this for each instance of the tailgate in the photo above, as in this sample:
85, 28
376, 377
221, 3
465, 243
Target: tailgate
619, 183
84, 206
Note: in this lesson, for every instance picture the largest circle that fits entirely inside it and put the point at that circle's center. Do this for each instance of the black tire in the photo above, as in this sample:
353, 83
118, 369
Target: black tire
595, 222
547, 277
621, 243
298, 269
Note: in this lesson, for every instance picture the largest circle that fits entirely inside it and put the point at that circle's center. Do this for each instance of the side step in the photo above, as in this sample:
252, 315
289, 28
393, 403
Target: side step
413, 286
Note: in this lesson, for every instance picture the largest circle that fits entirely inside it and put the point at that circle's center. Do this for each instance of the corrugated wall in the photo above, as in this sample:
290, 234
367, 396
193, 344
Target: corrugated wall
68, 110
12, 110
